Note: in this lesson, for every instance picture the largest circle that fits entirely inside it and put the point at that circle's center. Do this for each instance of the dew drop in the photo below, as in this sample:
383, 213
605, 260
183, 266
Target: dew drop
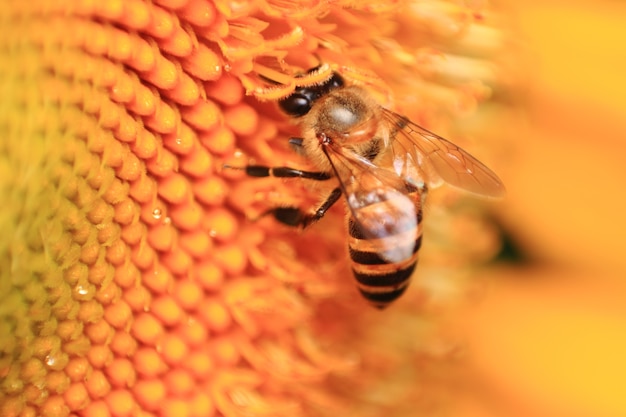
51, 360
226, 67
212, 233
56, 361
83, 292
157, 213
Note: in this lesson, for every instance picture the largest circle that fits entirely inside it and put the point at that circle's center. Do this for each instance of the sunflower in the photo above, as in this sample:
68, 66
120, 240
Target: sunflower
136, 277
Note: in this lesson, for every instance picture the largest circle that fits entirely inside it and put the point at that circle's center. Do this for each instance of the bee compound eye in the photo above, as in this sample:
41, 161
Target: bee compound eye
297, 104
335, 81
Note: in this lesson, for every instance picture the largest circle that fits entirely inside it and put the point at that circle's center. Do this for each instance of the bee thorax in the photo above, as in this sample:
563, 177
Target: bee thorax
342, 118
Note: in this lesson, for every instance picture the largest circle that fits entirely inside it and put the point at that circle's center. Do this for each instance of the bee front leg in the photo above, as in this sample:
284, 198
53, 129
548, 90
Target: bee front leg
293, 216
281, 172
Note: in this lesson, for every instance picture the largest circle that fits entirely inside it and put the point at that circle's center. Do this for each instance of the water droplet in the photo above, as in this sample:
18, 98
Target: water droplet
82, 289
83, 292
56, 361
179, 141
226, 67
212, 233
167, 220
51, 360
157, 213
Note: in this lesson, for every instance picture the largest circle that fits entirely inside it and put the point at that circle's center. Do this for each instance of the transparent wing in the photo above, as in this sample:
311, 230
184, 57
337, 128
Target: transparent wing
434, 153
380, 202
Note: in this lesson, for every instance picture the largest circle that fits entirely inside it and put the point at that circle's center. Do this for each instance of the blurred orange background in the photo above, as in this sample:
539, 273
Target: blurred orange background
549, 336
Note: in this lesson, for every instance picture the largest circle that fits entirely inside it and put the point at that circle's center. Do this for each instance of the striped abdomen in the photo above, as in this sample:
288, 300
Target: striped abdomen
379, 280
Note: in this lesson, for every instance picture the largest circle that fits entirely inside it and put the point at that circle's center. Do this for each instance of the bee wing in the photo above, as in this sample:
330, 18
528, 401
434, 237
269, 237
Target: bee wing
448, 161
380, 203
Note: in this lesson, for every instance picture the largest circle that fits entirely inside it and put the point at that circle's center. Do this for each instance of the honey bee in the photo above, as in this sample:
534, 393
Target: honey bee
384, 165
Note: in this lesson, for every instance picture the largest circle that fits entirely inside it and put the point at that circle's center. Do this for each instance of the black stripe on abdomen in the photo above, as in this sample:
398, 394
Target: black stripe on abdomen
390, 277
383, 299
381, 284
382, 288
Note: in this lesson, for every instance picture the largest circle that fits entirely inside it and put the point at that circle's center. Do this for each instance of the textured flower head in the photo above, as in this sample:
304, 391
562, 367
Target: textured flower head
132, 280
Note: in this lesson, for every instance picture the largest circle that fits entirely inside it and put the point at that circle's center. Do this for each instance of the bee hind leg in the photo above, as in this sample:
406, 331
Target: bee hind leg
293, 216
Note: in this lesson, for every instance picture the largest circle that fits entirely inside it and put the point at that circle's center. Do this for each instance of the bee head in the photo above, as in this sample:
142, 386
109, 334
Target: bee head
301, 100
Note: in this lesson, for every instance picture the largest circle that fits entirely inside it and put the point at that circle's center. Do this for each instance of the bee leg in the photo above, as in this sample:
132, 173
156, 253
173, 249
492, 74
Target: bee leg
293, 216
281, 172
